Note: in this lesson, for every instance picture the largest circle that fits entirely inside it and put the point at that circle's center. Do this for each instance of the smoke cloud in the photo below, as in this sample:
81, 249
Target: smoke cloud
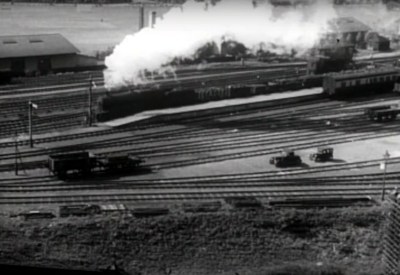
377, 16
185, 29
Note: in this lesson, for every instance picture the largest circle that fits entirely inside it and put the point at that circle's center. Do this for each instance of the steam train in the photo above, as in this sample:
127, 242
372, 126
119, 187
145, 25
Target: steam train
323, 61
129, 103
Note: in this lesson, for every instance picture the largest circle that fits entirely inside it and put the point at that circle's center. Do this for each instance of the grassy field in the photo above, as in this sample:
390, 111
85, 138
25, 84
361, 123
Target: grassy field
88, 27
264, 242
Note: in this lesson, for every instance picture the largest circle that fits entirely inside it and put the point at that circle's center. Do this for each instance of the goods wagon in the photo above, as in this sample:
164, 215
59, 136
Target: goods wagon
84, 163
130, 103
377, 80
382, 113
61, 164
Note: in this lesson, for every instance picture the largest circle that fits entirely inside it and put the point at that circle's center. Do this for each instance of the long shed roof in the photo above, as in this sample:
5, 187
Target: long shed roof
347, 24
35, 45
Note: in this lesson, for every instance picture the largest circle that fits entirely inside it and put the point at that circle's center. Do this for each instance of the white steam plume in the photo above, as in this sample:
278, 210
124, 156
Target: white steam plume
183, 30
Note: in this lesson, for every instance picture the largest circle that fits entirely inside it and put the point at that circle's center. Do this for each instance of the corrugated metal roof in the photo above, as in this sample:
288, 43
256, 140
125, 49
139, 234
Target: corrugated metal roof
347, 24
35, 45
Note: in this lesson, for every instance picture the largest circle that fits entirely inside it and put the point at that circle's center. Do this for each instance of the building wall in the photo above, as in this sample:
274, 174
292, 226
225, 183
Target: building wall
32, 65
5, 65
64, 61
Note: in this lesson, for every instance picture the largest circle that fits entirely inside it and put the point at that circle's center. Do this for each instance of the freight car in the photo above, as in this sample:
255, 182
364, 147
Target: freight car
377, 80
130, 103
382, 113
84, 163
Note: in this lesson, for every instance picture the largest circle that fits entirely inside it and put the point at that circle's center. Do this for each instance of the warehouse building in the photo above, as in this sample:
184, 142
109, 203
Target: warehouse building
348, 30
377, 42
40, 54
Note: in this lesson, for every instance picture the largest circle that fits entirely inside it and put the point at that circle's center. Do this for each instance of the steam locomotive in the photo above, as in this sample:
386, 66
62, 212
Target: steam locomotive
333, 57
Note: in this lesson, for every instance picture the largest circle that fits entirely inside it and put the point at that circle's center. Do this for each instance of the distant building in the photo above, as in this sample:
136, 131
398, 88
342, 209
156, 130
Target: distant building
36, 54
348, 30
40, 54
377, 42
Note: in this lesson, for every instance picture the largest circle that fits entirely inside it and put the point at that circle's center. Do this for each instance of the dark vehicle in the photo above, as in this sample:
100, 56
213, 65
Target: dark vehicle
288, 158
79, 210
323, 154
84, 163
378, 80
382, 113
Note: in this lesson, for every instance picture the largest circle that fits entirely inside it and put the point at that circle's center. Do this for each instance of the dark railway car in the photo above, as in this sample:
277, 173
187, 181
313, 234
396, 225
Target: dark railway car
84, 163
131, 103
377, 80
119, 161
62, 164
382, 113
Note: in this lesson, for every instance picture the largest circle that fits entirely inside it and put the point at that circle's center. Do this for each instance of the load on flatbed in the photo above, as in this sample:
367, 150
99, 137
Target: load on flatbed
84, 163
382, 113
287, 158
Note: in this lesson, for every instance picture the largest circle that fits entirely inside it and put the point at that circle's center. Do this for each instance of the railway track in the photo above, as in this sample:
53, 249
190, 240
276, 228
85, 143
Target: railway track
196, 194
273, 141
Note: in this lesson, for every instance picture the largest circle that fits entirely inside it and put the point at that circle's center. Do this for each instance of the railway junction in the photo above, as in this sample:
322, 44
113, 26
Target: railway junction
231, 167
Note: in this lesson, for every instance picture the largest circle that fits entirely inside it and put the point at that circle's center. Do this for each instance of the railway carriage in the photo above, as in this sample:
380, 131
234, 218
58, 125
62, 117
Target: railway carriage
84, 163
359, 82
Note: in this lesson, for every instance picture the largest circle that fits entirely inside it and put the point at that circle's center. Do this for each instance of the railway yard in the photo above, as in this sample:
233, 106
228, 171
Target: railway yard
195, 153
200, 144
201, 163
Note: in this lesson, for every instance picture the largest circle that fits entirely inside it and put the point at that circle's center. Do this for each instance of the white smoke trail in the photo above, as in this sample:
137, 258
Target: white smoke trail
183, 30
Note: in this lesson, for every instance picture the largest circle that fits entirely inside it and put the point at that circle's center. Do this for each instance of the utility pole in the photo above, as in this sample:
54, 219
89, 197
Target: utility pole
16, 154
90, 102
385, 157
31, 107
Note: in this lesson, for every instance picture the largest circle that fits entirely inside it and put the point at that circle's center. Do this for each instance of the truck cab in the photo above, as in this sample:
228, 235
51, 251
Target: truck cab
322, 154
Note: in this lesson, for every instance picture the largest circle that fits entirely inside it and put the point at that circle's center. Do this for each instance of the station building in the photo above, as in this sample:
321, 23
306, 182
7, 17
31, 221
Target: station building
40, 54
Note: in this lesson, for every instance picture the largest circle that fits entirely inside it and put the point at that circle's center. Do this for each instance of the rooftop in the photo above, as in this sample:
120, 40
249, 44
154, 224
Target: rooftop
35, 45
348, 24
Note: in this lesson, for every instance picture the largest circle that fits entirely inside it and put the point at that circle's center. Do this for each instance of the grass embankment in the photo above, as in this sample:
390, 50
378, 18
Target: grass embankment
341, 241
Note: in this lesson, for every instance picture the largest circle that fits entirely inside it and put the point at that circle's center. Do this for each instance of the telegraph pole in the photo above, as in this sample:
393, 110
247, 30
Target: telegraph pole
90, 102
31, 107
30, 124
385, 156
16, 154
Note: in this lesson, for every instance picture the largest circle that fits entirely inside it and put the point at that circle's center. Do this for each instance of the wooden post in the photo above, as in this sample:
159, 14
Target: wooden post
30, 124
90, 102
